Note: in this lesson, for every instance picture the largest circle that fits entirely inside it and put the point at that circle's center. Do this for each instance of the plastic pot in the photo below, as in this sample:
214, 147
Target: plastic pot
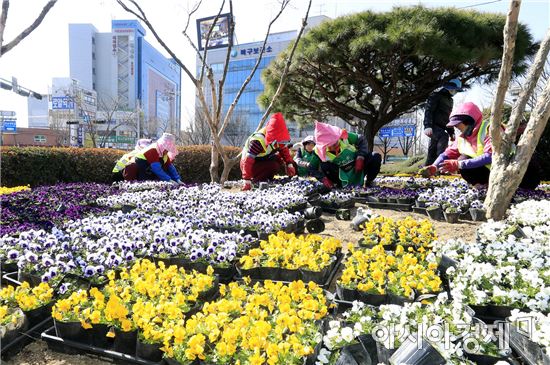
372, 299
98, 333
125, 342
404, 201
147, 351
451, 217
211, 293
313, 212
269, 273
397, 299
435, 214
384, 353
315, 226
478, 215
33, 280
288, 274
225, 274
412, 353
500, 311
72, 331
480, 359
39, 314
421, 204
346, 294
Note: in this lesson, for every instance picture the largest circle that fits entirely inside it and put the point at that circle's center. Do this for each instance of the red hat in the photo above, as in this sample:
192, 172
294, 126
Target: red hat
276, 130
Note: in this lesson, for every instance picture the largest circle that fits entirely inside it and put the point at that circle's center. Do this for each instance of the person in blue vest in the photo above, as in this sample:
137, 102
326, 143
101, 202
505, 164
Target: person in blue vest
470, 155
156, 161
266, 153
307, 160
345, 158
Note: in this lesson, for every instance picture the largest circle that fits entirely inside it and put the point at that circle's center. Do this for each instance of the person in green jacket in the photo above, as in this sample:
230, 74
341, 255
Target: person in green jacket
307, 160
345, 158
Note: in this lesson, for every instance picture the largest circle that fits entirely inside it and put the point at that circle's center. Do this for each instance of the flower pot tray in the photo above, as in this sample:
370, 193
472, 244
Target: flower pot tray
419, 210
72, 348
391, 206
326, 280
13, 347
297, 208
530, 352
333, 207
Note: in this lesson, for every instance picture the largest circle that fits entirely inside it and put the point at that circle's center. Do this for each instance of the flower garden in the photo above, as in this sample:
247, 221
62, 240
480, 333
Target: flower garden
151, 273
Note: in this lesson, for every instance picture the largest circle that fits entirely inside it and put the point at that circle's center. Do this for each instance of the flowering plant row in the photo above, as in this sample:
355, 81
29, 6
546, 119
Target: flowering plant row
310, 252
405, 232
49, 206
25, 297
6, 190
410, 322
270, 323
376, 271
144, 297
91, 246
209, 206
509, 264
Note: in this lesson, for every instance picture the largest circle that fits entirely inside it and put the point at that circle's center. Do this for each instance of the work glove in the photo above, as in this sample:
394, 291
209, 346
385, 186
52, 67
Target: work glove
291, 171
450, 166
247, 185
328, 184
428, 132
428, 171
359, 164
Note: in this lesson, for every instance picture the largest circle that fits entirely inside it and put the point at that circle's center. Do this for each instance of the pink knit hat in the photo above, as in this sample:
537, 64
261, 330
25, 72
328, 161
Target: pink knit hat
327, 135
167, 142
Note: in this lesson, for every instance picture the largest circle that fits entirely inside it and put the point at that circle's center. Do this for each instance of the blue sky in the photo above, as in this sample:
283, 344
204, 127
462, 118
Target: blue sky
44, 54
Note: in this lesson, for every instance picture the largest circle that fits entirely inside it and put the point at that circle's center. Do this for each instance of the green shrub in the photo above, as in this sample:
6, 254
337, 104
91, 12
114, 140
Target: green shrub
45, 166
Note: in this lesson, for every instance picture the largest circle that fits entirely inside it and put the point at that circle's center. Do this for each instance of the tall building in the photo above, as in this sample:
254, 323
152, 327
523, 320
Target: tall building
243, 57
128, 74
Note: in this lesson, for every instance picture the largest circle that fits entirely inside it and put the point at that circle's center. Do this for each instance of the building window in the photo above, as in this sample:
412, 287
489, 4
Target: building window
93, 40
93, 55
39, 138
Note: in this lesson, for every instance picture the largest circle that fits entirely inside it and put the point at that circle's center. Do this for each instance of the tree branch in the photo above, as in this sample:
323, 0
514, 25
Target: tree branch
26, 32
510, 34
144, 19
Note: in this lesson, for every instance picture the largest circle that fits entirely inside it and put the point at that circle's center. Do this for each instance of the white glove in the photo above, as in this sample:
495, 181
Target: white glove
180, 182
428, 132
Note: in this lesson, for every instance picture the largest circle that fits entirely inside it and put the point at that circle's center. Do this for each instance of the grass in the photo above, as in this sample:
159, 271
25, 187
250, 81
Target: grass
409, 166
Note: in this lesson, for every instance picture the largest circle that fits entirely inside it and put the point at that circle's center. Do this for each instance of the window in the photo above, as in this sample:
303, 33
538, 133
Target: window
39, 138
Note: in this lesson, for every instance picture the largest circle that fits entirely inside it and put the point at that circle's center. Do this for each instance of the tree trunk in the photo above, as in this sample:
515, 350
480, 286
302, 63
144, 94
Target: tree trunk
369, 134
228, 164
214, 165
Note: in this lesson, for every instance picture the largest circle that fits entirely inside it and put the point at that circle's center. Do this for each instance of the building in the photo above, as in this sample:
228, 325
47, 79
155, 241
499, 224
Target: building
32, 137
38, 112
128, 75
243, 57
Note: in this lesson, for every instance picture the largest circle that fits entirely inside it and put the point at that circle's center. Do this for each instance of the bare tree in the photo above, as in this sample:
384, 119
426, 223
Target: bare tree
406, 144
198, 131
58, 124
385, 147
237, 131
4, 18
109, 110
213, 110
508, 168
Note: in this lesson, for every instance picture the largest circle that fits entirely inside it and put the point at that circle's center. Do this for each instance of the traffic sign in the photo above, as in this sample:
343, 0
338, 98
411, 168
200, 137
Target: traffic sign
9, 125
7, 113
397, 131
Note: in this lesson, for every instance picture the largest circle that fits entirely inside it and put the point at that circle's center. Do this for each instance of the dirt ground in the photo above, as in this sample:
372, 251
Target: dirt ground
37, 353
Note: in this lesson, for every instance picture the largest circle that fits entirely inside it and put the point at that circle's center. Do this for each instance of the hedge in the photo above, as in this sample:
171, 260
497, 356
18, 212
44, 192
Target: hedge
36, 166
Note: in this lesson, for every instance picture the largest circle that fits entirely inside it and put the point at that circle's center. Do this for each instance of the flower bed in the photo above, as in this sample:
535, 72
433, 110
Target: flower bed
389, 233
289, 257
49, 206
267, 323
376, 276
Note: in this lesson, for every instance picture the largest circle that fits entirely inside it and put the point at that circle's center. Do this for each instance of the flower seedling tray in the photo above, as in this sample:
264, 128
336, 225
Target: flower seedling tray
391, 206
419, 210
530, 352
65, 346
329, 277
15, 346
333, 207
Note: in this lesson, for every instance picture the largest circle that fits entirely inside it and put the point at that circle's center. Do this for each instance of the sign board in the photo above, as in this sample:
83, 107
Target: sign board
397, 131
119, 139
219, 37
80, 136
7, 113
62, 102
9, 125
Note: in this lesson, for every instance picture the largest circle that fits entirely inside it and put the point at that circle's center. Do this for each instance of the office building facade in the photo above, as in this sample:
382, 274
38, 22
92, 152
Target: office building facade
128, 74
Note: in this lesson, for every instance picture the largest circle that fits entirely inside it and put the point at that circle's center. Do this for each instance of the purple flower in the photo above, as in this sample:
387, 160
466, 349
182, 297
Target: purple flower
13, 254
89, 271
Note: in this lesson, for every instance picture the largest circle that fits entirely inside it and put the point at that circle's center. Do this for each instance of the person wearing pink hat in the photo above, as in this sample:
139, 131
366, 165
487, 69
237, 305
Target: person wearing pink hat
266, 152
345, 158
126, 168
155, 162
470, 155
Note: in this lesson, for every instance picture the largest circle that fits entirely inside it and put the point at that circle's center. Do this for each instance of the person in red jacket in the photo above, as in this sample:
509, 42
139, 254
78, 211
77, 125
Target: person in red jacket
265, 153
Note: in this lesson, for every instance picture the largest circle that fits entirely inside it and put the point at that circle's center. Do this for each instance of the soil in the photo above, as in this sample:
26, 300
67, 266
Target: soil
37, 353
